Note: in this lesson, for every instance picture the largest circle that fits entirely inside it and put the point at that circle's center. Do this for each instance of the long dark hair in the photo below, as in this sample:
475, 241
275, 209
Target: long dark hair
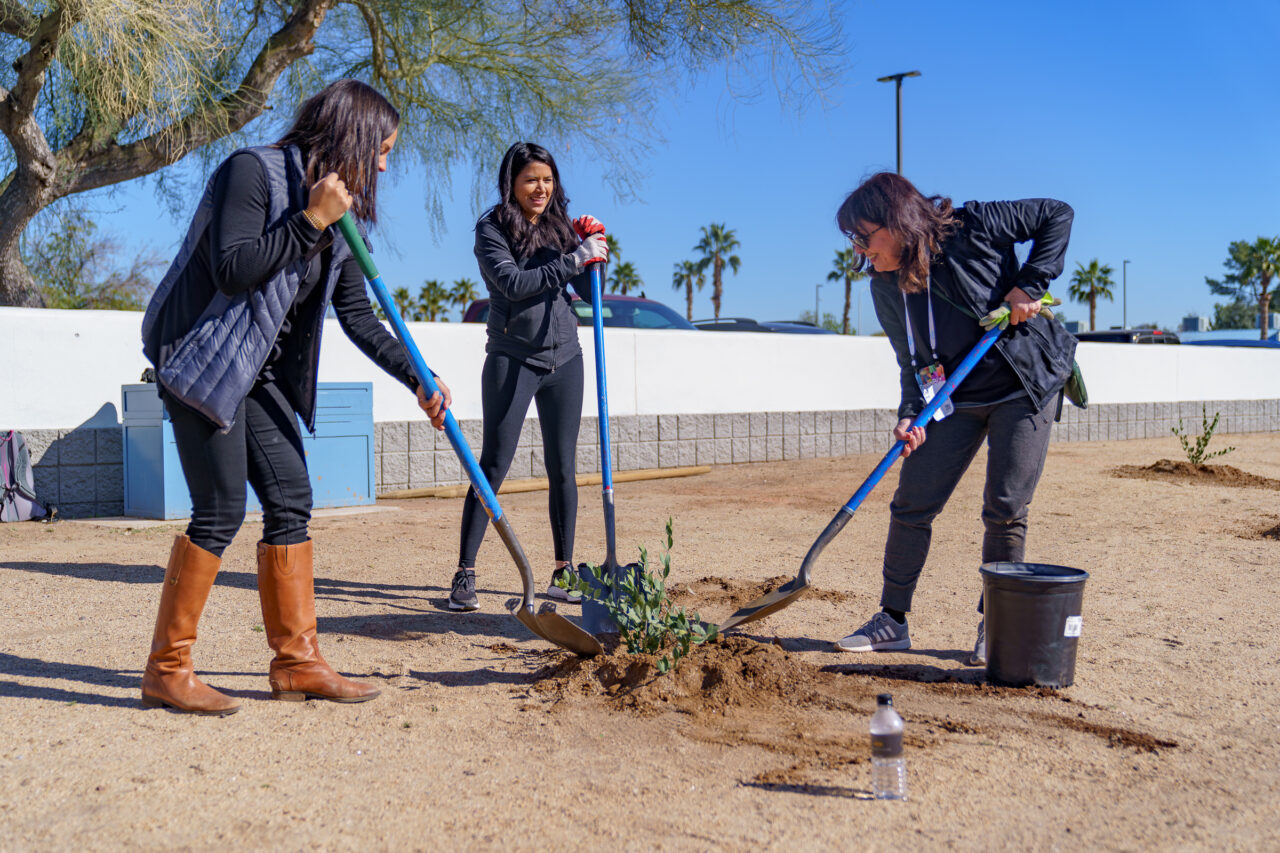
920, 223
341, 129
553, 227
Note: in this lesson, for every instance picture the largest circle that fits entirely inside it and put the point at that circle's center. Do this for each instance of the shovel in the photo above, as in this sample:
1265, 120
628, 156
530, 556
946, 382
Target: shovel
546, 623
595, 616
791, 590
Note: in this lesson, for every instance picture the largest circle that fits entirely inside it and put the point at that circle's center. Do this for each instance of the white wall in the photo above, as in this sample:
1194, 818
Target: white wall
64, 369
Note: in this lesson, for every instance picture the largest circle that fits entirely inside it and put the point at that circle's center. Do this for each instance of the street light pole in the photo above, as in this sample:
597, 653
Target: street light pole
897, 80
1125, 295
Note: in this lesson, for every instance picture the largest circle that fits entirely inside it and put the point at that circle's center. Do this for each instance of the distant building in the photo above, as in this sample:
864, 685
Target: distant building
1194, 323
1073, 326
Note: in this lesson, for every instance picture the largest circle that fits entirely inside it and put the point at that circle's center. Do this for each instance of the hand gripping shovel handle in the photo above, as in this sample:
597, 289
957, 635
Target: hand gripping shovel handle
545, 625
791, 590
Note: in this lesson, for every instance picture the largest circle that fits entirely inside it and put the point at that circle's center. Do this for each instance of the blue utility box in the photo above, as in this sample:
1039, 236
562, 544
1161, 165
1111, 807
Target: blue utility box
339, 455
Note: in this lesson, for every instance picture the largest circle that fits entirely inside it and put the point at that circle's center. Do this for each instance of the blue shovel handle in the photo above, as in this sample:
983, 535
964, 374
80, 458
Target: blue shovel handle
484, 491
962, 370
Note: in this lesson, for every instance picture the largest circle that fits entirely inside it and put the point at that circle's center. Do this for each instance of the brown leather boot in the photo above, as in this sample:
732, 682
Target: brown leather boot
170, 677
286, 585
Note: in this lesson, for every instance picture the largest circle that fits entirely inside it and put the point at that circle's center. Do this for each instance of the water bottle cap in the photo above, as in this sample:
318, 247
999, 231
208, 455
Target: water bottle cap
884, 699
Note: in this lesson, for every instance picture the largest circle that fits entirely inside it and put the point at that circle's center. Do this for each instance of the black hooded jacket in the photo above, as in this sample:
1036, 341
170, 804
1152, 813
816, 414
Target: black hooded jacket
971, 276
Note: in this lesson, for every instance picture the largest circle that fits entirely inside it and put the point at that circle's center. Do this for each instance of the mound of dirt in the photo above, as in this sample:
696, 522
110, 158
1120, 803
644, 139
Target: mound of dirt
735, 672
722, 593
740, 692
1185, 472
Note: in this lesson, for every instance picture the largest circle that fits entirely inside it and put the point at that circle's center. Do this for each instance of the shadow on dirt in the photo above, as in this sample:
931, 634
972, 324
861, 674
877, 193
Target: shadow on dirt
152, 574
812, 790
920, 673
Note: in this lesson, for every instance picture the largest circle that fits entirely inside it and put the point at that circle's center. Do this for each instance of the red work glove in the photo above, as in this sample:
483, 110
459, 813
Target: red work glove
585, 226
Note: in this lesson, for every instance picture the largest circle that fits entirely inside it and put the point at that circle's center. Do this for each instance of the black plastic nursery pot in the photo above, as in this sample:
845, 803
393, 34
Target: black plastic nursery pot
1033, 622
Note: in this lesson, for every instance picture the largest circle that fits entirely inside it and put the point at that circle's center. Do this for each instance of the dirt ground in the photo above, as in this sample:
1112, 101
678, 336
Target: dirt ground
485, 737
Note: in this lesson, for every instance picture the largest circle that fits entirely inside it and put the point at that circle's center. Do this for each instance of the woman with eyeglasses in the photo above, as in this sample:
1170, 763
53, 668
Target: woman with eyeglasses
936, 270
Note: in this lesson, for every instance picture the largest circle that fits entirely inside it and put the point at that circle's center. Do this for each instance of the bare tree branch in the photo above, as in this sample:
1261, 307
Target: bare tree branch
110, 163
15, 20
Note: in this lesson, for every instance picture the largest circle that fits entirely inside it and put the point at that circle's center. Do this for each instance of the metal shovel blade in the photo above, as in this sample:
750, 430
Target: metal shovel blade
766, 604
794, 588
554, 628
546, 622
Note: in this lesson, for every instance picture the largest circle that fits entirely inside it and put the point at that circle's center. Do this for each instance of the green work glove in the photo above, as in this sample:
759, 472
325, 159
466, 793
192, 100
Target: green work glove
1000, 316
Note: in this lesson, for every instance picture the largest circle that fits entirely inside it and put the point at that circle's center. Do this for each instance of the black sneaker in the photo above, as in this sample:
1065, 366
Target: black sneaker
553, 591
463, 594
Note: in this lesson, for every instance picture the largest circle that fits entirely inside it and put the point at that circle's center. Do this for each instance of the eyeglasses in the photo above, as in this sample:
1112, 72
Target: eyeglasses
861, 241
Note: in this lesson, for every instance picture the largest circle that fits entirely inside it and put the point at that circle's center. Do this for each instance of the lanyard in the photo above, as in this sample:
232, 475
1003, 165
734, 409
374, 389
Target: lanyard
911, 334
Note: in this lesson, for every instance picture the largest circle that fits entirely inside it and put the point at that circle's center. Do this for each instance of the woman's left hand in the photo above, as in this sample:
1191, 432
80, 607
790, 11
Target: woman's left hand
437, 404
1021, 306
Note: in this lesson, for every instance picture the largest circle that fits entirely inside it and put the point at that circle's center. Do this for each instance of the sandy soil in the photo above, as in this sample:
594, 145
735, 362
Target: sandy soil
486, 737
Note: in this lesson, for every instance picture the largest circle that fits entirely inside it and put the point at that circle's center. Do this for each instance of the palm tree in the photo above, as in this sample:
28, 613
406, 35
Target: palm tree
404, 302
615, 250
1253, 266
433, 300
687, 276
623, 277
847, 267
465, 291
716, 244
1089, 283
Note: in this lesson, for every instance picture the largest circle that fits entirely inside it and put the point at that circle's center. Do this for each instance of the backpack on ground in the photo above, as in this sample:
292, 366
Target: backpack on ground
18, 501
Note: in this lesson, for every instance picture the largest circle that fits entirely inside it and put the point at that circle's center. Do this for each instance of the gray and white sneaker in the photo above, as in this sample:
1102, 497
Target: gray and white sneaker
978, 657
553, 591
882, 633
463, 594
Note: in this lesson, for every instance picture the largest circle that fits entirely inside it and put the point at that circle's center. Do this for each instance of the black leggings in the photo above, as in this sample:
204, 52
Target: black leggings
506, 386
264, 447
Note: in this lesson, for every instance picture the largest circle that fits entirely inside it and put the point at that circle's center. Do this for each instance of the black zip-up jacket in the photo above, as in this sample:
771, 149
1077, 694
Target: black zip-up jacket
238, 252
530, 318
971, 275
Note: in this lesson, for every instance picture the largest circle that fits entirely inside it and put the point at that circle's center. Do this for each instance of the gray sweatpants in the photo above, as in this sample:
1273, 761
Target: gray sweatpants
1017, 440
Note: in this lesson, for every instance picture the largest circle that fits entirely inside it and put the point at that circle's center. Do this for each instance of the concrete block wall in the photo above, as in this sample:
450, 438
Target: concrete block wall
410, 455
81, 470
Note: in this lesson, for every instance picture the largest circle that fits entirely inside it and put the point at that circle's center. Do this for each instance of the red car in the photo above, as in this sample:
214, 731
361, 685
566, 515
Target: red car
623, 312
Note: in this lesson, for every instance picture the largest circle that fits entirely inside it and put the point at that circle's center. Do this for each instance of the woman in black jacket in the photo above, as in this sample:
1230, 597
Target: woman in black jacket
529, 256
234, 333
936, 271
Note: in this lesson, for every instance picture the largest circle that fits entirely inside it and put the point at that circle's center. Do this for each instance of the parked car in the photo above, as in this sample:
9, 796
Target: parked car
746, 324
622, 312
1129, 336
1268, 344
796, 327
729, 324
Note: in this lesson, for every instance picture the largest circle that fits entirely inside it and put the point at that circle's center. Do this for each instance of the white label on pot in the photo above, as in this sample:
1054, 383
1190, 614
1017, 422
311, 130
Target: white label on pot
1074, 624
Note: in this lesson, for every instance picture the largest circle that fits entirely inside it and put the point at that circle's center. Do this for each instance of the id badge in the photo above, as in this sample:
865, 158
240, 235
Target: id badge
931, 378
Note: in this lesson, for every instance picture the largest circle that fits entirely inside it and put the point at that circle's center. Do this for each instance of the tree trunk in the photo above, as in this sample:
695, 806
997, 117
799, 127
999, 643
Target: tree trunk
715, 291
19, 203
688, 310
1264, 308
1093, 313
848, 296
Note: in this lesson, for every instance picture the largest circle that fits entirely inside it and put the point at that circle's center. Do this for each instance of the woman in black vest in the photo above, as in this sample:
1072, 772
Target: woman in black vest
936, 271
529, 256
328, 163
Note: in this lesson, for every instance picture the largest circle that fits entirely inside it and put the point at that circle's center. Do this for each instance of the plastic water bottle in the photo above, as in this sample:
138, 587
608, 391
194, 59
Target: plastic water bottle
888, 767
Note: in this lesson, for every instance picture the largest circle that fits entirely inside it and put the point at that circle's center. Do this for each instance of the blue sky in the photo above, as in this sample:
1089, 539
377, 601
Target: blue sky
1155, 121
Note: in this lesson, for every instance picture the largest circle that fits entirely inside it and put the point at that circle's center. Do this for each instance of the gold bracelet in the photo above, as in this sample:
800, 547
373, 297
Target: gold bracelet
311, 217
